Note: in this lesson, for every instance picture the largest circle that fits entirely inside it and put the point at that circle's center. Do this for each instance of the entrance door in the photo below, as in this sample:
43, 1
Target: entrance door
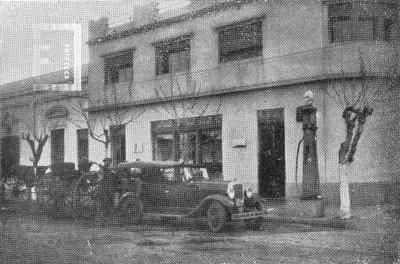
271, 157
9, 155
118, 151
57, 146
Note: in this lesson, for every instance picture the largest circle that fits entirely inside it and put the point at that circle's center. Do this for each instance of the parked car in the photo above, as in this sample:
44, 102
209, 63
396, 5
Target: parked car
180, 190
55, 188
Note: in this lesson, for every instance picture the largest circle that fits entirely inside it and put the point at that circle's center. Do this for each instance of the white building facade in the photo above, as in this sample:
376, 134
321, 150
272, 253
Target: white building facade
218, 83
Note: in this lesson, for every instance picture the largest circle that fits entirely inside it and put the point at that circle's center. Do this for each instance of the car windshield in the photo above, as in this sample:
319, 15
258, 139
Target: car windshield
195, 174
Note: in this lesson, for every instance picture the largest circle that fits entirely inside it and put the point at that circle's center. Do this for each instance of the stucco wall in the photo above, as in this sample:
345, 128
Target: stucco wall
30, 109
376, 160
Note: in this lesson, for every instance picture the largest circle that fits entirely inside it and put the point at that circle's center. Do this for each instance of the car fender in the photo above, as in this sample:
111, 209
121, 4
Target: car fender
202, 207
124, 197
252, 203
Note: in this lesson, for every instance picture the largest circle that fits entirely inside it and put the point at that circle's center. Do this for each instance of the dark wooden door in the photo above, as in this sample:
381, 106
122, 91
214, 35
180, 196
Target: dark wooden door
9, 155
118, 151
271, 168
57, 146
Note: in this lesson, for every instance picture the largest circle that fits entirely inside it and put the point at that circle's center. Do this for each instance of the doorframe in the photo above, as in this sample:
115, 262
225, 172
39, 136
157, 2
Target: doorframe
259, 152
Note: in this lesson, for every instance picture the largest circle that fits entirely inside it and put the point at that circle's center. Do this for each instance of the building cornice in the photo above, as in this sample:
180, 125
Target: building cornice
236, 90
45, 96
238, 23
167, 41
118, 52
170, 21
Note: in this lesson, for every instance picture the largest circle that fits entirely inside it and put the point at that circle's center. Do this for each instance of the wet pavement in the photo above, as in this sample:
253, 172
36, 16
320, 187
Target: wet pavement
27, 238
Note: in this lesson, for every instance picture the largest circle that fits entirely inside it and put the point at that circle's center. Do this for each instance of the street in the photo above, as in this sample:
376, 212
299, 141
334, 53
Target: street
27, 238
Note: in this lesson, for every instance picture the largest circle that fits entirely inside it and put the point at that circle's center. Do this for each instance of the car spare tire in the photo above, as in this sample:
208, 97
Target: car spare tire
216, 216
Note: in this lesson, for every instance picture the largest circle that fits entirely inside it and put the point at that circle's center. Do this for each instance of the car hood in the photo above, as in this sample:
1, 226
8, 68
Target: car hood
215, 187
212, 185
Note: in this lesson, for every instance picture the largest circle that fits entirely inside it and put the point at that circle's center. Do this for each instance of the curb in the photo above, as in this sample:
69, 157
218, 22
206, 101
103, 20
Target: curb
335, 222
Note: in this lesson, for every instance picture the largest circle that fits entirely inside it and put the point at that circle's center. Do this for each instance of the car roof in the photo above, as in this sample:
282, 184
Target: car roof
159, 164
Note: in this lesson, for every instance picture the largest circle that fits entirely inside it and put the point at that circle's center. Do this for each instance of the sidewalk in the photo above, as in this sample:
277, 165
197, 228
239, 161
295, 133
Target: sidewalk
373, 218
365, 218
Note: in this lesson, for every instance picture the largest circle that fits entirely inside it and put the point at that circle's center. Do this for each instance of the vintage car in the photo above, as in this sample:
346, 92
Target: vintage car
55, 188
174, 189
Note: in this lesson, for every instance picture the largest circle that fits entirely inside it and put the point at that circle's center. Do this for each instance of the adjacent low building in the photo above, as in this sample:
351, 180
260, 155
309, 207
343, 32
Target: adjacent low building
39, 106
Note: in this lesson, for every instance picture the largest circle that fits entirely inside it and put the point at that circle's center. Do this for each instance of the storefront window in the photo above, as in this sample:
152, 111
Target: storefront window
192, 140
164, 146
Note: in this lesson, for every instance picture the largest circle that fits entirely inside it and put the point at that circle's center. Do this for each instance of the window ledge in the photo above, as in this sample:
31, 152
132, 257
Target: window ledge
241, 61
343, 43
165, 75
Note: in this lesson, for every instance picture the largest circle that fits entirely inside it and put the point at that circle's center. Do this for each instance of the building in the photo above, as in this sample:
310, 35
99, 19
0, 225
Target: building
40, 106
218, 82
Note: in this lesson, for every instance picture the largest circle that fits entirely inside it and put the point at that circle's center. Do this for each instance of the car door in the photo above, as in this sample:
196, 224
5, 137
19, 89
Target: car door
183, 194
155, 194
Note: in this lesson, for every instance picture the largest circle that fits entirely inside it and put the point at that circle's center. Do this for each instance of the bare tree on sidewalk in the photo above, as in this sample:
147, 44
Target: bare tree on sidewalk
182, 97
358, 99
110, 113
36, 132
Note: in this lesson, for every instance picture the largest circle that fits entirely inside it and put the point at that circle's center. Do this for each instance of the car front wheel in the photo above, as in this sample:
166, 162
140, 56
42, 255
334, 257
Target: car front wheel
131, 211
216, 216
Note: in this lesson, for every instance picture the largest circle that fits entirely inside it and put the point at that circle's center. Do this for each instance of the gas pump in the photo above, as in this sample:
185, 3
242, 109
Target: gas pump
306, 113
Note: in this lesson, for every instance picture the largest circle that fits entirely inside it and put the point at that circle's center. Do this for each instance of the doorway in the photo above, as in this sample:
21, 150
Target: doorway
271, 153
118, 144
9, 155
57, 146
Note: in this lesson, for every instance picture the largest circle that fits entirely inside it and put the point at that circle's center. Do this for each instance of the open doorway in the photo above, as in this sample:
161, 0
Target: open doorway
9, 155
271, 153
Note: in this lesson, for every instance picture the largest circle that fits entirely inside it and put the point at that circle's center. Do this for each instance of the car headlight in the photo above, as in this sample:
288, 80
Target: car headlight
231, 191
249, 192
94, 168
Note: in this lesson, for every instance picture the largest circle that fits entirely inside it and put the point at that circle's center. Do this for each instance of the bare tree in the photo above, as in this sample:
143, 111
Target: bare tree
358, 98
182, 98
112, 113
36, 133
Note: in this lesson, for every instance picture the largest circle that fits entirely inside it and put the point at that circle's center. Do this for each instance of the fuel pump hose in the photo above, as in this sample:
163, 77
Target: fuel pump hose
297, 165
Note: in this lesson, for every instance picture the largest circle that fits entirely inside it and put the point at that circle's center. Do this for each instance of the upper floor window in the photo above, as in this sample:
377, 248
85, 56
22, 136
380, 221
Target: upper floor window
118, 68
240, 41
173, 55
361, 21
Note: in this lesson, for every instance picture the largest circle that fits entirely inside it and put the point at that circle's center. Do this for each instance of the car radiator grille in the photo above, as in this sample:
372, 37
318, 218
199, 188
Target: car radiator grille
238, 188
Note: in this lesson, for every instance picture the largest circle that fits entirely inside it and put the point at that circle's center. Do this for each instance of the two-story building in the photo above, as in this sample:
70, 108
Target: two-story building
218, 83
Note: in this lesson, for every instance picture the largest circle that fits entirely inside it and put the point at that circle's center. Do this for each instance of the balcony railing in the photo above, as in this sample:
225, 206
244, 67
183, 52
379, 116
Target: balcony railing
304, 66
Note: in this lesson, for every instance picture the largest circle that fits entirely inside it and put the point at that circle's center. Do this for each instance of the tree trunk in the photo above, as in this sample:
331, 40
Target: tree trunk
345, 209
106, 148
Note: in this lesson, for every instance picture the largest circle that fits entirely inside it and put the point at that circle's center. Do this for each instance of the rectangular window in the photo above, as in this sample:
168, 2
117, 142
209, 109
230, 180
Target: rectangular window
367, 28
173, 56
388, 29
340, 29
340, 22
57, 146
83, 144
118, 147
164, 146
361, 21
119, 68
194, 140
240, 41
